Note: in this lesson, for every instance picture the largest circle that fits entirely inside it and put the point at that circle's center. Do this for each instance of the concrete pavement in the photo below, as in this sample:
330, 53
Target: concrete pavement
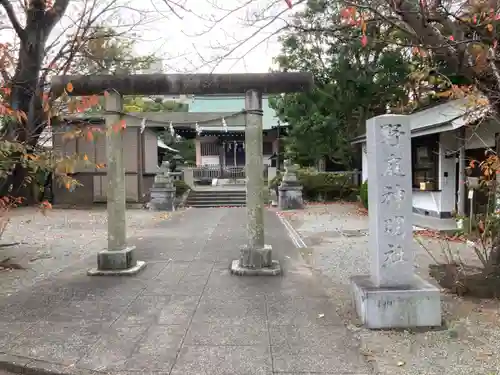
184, 314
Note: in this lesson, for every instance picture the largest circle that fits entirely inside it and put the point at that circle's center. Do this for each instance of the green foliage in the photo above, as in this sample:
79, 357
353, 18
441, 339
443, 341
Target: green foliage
180, 187
138, 104
352, 84
187, 149
363, 194
109, 52
324, 186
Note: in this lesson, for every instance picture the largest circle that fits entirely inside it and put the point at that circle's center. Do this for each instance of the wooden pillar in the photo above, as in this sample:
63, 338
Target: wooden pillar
197, 146
235, 146
140, 165
221, 158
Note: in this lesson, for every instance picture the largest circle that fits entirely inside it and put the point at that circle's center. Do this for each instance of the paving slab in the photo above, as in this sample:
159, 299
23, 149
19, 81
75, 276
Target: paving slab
184, 314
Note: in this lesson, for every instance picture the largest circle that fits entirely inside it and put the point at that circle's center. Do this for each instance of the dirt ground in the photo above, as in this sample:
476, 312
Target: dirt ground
337, 247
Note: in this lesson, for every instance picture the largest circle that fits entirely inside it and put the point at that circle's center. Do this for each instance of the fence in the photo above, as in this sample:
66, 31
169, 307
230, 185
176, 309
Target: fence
209, 172
352, 177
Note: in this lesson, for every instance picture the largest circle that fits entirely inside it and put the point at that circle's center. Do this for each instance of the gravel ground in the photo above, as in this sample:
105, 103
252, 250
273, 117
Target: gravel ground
48, 244
338, 249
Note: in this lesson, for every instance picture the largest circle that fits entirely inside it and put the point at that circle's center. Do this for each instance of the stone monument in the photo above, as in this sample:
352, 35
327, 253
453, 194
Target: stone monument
392, 296
163, 191
290, 189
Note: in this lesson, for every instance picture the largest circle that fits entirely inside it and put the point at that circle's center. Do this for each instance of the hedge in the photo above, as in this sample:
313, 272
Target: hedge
323, 186
180, 187
363, 194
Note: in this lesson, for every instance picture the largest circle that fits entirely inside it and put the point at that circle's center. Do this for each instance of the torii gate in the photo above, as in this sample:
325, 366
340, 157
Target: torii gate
118, 258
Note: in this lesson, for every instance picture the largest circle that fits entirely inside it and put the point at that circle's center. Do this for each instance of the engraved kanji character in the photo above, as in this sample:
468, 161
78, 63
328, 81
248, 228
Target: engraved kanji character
393, 194
393, 166
391, 133
394, 226
394, 255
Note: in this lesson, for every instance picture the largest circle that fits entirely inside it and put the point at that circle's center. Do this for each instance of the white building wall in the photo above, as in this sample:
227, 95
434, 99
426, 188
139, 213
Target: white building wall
210, 160
443, 200
427, 200
266, 160
364, 163
448, 144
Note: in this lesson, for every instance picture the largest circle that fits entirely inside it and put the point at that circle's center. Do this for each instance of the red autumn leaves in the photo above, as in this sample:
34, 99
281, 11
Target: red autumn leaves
351, 16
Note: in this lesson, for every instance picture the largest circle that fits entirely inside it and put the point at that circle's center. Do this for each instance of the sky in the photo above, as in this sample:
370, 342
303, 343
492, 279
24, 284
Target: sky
186, 35
191, 42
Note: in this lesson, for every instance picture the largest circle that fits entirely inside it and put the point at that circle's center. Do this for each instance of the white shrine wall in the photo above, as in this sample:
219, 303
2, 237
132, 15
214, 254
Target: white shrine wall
442, 202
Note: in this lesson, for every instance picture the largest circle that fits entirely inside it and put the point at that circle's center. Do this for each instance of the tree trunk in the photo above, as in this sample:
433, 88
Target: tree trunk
26, 88
26, 98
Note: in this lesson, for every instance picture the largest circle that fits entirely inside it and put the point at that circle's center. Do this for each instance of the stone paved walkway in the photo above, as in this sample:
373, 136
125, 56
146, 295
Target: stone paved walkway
184, 314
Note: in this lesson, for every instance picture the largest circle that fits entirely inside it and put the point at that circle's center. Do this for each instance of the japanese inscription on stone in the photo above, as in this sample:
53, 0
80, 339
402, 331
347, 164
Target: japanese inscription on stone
393, 255
390, 201
391, 133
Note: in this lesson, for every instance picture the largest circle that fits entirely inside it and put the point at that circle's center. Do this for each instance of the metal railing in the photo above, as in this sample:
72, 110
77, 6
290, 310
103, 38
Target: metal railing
211, 171
208, 172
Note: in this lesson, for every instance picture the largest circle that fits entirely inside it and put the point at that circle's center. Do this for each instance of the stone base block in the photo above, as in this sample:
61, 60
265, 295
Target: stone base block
139, 266
290, 198
117, 262
418, 305
162, 199
256, 258
273, 270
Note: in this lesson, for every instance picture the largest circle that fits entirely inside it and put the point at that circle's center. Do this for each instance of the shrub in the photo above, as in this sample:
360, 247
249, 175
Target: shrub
180, 187
363, 194
326, 186
276, 181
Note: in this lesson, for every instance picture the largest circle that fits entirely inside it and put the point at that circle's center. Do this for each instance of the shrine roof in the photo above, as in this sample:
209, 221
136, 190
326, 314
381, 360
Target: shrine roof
232, 104
443, 117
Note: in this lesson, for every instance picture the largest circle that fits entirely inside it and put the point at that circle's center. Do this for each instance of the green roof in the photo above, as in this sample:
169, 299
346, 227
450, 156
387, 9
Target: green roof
232, 103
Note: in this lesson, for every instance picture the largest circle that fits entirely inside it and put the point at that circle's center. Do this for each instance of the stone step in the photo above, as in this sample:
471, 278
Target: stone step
216, 197
219, 201
219, 193
215, 204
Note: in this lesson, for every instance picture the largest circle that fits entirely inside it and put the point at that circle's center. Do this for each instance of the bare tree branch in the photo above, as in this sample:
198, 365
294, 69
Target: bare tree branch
9, 9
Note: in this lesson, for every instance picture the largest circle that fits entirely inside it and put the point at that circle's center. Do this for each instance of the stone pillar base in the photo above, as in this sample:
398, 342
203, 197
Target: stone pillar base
162, 199
117, 263
256, 262
238, 270
416, 305
290, 198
